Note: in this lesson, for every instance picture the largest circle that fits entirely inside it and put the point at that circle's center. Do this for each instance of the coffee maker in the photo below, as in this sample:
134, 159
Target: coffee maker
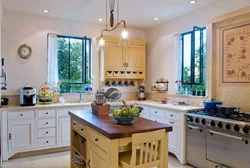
141, 95
27, 96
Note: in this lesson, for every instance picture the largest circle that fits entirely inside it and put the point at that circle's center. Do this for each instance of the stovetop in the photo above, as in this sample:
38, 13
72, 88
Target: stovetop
233, 116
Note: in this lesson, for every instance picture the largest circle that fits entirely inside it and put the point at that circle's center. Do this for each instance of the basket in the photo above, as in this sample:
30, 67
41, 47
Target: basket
100, 110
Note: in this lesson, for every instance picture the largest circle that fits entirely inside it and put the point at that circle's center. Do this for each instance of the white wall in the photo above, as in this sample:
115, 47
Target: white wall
21, 28
160, 57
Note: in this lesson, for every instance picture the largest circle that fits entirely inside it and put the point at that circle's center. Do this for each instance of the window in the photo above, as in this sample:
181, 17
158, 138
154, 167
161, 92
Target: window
74, 62
194, 57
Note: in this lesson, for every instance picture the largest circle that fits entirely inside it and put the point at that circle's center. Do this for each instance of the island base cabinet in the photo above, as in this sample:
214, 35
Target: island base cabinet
21, 135
97, 157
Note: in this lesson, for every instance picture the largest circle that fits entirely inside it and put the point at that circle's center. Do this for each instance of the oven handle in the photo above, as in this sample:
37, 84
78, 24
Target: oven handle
189, 126
230, 136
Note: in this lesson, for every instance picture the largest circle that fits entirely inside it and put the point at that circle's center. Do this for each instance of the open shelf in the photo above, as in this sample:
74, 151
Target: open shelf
78, 153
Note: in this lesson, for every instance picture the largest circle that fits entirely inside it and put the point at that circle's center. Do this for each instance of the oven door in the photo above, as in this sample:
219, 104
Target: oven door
227, 149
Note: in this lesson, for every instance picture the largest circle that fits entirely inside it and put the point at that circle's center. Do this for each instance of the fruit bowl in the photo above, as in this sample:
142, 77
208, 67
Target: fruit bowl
124, 120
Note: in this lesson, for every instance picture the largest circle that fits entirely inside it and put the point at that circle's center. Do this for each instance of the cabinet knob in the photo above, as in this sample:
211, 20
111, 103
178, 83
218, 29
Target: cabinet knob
47, 113
47, 122
21, 114
82, 129
96, 139
47, 132
171, 115
47, 141
74, 123
155, 111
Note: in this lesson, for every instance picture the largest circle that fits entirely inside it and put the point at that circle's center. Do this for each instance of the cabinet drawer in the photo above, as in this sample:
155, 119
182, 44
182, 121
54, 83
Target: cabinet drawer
21, 115
157, 118
99, 140
46, 132
82, 129
157, 112
45, 123
172, 115
75, 124
46, 113
44, 142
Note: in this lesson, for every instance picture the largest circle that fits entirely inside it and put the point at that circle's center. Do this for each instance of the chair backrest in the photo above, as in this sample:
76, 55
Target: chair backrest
150, 146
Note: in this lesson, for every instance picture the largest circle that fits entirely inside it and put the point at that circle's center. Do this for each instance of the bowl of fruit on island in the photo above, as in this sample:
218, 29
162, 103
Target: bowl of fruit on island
125, 115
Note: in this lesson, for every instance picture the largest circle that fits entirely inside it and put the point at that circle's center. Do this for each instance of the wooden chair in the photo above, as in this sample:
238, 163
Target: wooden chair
147, 151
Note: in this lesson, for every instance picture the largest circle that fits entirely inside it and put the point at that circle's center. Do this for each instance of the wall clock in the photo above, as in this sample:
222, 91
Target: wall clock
24, 51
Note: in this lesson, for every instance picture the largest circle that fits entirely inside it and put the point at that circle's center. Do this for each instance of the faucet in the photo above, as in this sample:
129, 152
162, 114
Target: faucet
3, 75
81, 100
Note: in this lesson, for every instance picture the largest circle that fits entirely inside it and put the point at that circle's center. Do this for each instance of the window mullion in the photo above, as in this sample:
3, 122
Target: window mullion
182, 54
192, 77
69, 67
201, 56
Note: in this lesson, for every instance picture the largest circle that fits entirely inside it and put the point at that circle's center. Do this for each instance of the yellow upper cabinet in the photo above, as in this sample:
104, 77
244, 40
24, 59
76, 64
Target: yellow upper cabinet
135, 57
119, 62
114, 57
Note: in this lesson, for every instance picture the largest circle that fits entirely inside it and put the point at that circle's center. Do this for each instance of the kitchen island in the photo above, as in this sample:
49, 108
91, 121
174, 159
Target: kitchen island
98, 139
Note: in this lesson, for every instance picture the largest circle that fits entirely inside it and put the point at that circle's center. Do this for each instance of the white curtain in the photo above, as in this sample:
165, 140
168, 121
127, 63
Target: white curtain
53, 77
177, 58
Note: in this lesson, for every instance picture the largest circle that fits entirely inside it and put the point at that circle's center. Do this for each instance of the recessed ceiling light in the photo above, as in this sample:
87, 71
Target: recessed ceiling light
45, 11
100, 20
156, 18
193, 2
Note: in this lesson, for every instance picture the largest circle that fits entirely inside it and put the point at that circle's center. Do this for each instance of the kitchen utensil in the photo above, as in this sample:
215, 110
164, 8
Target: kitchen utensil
4, 101
227, 109
211, 104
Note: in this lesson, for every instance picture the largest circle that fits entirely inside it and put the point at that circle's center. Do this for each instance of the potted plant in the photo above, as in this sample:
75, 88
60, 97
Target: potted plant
193, 90
198, 90
203, 90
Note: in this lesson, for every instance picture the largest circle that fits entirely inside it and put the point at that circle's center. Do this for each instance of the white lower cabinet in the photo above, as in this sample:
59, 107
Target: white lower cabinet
21, 134
64, 131
173, 140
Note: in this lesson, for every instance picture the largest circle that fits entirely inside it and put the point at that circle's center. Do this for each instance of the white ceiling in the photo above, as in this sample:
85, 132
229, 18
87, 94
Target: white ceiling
137, 13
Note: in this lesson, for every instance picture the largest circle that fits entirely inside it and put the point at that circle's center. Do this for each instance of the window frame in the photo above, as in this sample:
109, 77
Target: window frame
84, 57
192, 61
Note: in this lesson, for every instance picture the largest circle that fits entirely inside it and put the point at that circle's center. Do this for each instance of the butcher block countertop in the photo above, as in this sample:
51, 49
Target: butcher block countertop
108, 127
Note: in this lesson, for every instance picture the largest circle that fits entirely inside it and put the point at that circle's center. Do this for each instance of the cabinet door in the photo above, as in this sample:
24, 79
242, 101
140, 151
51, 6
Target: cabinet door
64, 131
173, 137
98, 158
21, 135
135, 57
114, 57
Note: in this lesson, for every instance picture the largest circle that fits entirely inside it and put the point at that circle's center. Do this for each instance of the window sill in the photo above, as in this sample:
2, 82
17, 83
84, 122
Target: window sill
188, 96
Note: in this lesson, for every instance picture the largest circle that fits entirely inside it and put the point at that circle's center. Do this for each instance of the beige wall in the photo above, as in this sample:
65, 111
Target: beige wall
160, 58
21, 28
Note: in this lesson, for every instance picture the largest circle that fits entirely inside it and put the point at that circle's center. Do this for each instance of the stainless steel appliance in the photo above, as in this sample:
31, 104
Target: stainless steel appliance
218, 140
27, 96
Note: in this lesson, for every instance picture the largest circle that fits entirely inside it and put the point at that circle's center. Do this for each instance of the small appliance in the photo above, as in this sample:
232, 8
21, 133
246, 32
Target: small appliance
27, 96
141, 95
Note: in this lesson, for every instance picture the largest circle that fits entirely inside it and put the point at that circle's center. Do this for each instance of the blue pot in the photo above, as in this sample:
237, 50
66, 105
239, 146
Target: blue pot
211, 104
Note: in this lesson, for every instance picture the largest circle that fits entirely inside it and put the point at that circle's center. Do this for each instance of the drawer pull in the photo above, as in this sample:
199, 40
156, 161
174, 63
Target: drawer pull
21, 114
89, 163
96, 139
171, 115
171, 122
47, 132
47, 141
47, 113
74, 123
155, 111
47, 123
82, 129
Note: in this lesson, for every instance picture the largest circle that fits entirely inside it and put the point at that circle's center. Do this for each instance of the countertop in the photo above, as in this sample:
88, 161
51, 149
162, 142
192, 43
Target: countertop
108, 127
155, 104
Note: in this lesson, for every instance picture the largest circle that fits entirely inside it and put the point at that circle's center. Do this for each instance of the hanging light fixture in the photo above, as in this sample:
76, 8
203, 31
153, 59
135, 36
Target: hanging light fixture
124, 41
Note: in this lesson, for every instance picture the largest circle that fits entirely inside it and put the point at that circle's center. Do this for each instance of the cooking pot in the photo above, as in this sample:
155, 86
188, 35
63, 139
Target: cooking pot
211, 104
227, 109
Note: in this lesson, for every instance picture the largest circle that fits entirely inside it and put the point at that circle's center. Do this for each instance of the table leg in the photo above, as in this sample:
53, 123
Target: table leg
165, 161
114, 154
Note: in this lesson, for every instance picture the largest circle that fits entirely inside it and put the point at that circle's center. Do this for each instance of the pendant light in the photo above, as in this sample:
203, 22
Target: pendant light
124, 40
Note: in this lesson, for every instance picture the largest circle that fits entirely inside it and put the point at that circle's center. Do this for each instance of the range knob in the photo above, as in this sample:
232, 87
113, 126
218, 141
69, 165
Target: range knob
236, 128
212, 123
197, 120
228, 126
191, 119
246, 129
220, 125
203, 121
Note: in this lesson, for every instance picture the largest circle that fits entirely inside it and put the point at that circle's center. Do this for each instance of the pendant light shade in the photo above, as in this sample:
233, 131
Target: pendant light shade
101, 44
124, 41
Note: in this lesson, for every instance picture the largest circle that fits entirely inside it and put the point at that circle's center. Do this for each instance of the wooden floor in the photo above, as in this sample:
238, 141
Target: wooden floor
60, 160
